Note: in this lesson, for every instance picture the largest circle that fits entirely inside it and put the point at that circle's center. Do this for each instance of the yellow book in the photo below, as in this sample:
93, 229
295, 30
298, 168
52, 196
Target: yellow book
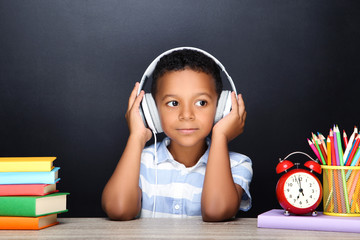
26, 164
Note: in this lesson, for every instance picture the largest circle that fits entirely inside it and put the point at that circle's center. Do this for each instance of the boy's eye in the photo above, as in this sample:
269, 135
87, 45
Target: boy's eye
201, 103
172, 104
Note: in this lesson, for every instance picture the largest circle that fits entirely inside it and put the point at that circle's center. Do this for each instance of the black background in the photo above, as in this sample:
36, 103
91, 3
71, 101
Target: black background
68, 67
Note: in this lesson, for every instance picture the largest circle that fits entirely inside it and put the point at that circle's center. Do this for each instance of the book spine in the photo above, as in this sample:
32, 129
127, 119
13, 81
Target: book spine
29, 177
28, 180
21, 190
18, 223
22, 223
25, 166
17, 206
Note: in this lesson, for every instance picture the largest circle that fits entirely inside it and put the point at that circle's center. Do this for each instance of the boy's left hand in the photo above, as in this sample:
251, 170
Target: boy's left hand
233, 124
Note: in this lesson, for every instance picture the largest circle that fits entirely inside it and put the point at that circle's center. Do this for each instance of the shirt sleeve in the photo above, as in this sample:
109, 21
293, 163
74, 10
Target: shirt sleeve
241, 168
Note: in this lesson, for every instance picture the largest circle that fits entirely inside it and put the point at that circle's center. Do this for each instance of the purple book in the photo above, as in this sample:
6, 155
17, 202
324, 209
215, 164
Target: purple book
276, 219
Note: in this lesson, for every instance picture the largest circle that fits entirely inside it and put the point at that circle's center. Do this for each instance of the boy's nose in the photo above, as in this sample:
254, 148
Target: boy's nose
186, 113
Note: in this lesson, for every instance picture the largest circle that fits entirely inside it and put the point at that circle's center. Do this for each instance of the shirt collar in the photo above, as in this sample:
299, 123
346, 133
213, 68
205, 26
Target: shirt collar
163, 153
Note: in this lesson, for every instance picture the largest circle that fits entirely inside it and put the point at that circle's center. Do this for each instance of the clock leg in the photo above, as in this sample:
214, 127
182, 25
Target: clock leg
314, 213
286, 213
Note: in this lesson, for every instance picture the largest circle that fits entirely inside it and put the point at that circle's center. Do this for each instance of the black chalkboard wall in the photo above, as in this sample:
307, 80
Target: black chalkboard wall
67, 69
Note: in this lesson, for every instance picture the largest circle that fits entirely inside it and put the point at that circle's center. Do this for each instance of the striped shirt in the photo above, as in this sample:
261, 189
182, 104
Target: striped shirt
175, 190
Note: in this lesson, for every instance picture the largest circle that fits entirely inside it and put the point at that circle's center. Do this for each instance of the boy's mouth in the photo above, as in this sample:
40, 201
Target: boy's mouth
187, 130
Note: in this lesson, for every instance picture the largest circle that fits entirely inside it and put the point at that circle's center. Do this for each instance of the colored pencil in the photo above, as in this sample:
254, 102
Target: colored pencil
322, 140
356, 198
322, 149
333, 158
340, 151
352, 182
347, 158
350, 144
355, 130
345, 138
337, 189
328, 151
329, 204
341, 160
318, 148
314, 149
353, 151
355, 161
336, 149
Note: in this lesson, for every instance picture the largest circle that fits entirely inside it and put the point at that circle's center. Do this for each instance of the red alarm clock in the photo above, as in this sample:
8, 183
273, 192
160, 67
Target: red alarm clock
298, 191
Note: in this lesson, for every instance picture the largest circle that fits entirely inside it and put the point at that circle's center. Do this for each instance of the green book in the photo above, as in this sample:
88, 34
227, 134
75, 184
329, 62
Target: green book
33, 206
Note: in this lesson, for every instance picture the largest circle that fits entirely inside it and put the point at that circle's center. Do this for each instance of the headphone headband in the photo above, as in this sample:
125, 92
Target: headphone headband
153, 64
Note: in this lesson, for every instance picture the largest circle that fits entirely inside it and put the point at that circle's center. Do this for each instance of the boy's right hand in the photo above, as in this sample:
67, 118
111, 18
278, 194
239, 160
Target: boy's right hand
135, 123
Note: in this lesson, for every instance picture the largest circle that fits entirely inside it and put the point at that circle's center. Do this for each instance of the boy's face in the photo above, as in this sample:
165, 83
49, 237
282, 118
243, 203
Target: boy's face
186, 101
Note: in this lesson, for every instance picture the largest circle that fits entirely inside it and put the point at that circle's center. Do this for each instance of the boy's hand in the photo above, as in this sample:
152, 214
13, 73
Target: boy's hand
133, 117
233, 124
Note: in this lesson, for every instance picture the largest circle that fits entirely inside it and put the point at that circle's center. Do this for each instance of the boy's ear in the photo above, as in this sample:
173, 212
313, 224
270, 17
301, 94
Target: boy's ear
223, 106
150, 112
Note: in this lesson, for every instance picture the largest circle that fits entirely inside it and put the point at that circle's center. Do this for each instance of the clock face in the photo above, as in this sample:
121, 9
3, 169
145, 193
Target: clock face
301, 190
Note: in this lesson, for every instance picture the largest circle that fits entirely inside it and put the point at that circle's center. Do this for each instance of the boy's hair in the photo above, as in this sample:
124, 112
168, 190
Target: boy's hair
180, 60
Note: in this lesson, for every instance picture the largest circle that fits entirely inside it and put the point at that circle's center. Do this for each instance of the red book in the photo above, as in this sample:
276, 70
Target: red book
27, 189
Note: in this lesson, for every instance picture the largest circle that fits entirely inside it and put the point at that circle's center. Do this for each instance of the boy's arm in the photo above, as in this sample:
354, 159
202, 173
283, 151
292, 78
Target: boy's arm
121, 198
221, 197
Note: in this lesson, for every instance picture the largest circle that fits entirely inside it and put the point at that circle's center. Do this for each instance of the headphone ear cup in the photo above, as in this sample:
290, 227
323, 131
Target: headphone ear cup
151, 113
223, 106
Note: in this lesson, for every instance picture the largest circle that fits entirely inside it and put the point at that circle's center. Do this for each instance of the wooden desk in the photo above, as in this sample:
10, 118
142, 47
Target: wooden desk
101, 228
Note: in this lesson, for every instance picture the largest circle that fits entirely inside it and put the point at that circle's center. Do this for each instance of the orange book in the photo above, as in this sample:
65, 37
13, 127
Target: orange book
27, 223
27, 189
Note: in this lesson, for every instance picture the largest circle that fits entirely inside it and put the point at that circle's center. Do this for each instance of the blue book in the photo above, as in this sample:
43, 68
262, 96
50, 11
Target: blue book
30, 177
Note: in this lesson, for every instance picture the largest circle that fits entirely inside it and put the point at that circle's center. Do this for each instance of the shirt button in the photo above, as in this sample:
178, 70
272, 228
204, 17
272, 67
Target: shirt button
177, 206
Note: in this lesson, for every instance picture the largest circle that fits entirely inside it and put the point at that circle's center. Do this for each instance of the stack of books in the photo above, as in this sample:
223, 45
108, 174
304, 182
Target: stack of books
28, 195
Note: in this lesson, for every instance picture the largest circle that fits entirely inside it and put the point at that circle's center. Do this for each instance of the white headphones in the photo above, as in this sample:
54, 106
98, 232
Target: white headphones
148, 109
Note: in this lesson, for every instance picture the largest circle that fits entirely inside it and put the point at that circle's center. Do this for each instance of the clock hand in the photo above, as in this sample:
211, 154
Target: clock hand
301, 190
297, 181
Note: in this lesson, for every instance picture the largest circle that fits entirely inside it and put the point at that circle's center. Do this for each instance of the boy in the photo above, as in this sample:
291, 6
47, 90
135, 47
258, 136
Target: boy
192, 175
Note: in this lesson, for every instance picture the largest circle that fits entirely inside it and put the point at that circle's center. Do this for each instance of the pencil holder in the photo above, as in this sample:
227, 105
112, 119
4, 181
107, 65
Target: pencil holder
341, 191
